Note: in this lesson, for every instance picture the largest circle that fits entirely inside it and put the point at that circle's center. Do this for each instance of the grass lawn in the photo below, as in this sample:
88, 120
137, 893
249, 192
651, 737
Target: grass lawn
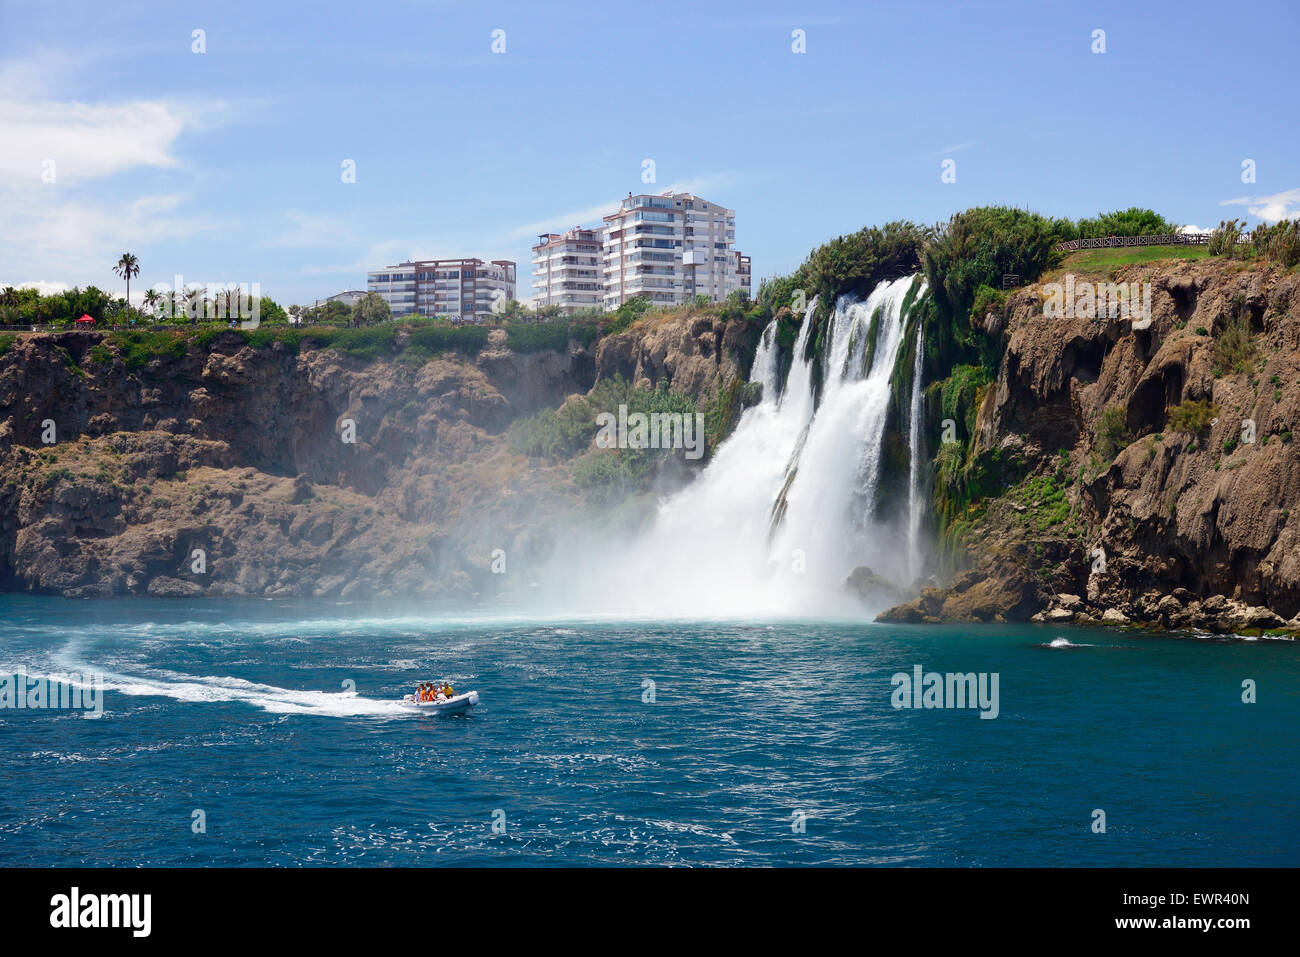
1103, 260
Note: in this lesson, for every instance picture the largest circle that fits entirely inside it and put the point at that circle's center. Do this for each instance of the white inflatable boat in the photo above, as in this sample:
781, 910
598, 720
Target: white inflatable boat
462, 702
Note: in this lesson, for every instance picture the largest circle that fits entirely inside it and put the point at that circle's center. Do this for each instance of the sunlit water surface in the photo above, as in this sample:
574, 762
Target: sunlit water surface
758, 743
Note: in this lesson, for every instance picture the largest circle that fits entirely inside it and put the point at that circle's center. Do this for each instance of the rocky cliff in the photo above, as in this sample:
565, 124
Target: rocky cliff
225, 467
1143, 475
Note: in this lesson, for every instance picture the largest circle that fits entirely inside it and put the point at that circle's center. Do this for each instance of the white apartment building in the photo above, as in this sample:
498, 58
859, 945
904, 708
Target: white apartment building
455, 288
569, 270
669, 248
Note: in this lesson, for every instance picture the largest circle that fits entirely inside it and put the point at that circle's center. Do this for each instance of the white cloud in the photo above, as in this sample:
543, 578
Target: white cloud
313, 230
74, 227
948, 150
702, 185
563, 221
82, 141
45, 287
1271, 209
49, 232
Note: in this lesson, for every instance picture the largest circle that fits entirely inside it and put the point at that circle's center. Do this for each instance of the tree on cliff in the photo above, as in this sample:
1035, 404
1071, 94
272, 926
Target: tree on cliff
371, 308
127, 267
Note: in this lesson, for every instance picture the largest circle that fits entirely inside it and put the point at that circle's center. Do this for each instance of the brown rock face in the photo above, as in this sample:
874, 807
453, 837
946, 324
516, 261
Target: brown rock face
234, 470
696, 352
1175, 509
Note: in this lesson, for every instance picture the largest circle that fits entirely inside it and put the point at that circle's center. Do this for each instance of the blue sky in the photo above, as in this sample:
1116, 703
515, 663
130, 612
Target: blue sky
226, 166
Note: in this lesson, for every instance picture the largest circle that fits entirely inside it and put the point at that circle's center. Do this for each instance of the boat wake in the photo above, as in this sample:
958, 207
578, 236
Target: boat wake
1065, 643
206, 689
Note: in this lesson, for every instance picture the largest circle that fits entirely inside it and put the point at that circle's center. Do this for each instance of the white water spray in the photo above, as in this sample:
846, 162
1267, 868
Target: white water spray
787, 507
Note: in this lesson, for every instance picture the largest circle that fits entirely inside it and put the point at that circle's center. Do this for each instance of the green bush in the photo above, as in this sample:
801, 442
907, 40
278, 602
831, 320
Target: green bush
432, 339
542, 435
1112, 432
628, 313
555, 335
987, 299
1234, 349
1223, 241
1129, 222
1279, 242
855, 264
1193, 416
138, 348
366, 344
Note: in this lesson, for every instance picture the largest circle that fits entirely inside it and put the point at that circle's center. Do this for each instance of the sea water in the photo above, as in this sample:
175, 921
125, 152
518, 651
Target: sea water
251, 733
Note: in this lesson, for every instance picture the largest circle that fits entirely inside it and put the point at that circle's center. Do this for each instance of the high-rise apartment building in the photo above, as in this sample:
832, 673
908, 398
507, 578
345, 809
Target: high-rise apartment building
568, 270
458, 288
669, 248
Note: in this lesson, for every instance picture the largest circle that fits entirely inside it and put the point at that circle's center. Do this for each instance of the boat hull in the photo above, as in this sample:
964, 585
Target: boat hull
462, 702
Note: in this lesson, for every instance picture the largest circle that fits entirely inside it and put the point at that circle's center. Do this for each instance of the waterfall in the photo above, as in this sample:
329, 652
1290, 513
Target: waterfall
767, 366
830, 513
914, 464
787, 506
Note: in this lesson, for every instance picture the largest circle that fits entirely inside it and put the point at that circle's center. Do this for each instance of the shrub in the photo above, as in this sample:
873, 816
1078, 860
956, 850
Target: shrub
1193, 416
1112, 432
555, 335
429, 340
1223, 241
1129, 222
1279, 242
365, 344
856, 263
628, 313
987, 299
1233, 347
138, 347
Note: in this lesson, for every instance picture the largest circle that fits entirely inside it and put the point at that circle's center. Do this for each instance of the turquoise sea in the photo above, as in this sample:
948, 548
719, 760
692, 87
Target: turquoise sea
258, 733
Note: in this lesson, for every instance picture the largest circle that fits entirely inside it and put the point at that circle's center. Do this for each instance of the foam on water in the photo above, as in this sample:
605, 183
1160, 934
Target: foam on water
204, 689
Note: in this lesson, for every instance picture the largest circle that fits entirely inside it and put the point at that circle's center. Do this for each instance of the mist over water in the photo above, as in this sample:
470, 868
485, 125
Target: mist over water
789, 504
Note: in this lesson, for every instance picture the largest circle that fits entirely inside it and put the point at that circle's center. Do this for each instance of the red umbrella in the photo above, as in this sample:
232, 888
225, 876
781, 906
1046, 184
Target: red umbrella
86, 319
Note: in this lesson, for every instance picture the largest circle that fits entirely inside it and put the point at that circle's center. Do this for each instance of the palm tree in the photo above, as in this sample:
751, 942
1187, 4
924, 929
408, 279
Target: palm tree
151, 299
195, 303
127, 267
9, 304
230, 301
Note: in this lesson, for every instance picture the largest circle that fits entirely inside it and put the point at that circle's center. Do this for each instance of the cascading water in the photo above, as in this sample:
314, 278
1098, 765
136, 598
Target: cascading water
830, 517
787, 506
766, 370
914, 478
